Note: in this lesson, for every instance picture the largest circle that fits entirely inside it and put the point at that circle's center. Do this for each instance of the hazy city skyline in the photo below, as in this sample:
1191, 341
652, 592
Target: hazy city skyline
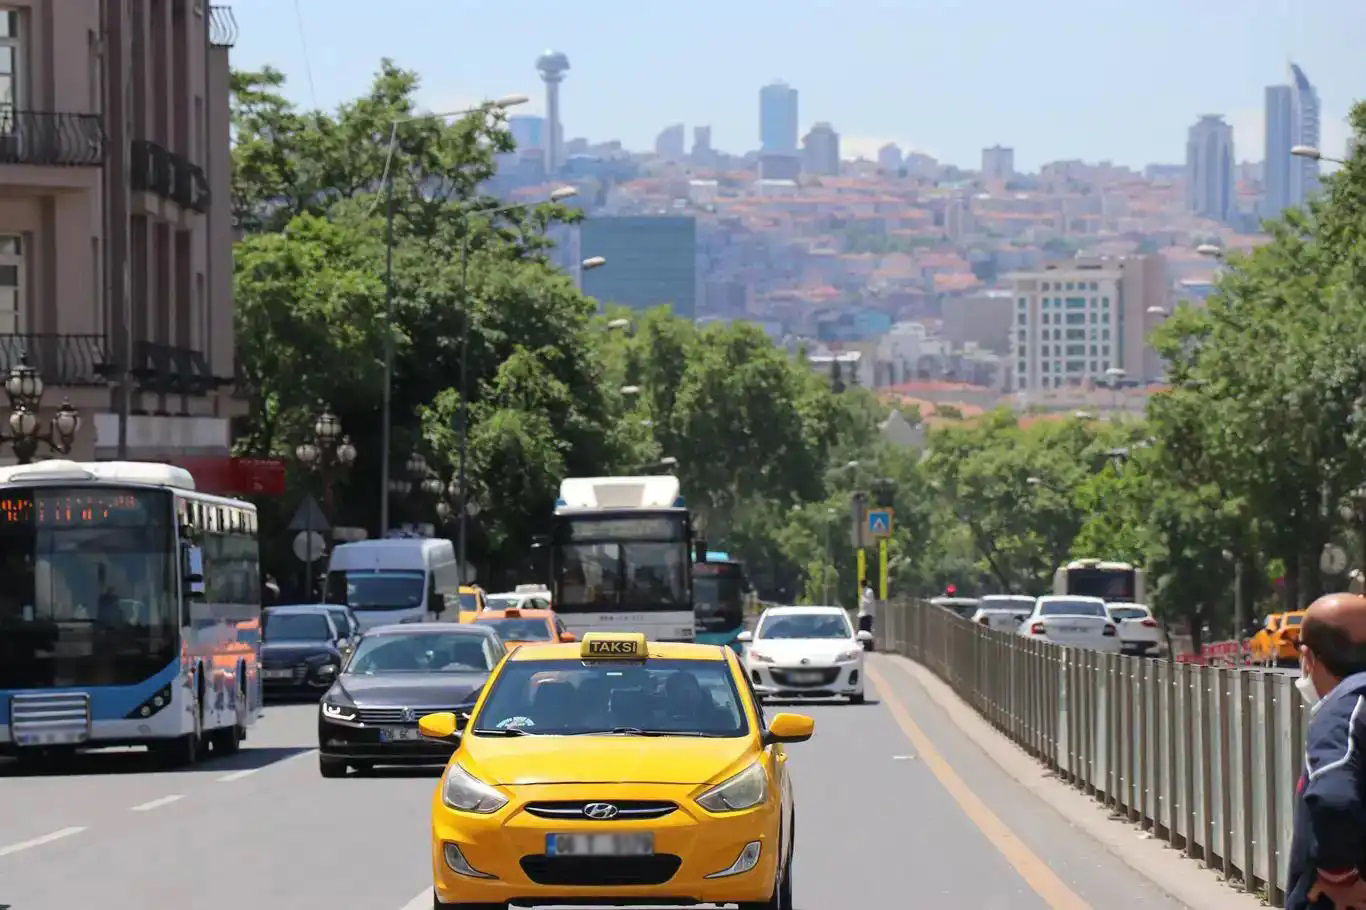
1127, 89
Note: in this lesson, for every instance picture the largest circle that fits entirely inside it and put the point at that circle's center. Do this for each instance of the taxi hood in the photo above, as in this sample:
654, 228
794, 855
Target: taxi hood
606, 759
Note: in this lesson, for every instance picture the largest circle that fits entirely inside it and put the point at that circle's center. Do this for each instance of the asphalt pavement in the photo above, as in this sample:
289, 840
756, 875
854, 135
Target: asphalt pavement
897, 807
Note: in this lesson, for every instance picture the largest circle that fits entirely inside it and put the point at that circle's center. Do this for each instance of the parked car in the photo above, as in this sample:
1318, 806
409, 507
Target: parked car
1138, 630
1081, 622
1003, 612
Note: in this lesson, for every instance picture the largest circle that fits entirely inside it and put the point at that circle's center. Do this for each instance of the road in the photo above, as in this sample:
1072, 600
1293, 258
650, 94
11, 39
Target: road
896, 807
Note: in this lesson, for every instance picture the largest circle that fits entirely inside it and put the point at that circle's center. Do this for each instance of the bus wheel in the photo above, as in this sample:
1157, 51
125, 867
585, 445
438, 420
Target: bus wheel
179, 752
227, 740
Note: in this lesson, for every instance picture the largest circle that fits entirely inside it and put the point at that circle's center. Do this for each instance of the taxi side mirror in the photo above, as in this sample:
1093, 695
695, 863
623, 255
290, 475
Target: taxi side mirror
746, 635
568, 636
444, 726
789, 728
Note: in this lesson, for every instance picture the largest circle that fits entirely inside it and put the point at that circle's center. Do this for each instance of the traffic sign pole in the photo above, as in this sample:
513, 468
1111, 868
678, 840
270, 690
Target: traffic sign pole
882, 568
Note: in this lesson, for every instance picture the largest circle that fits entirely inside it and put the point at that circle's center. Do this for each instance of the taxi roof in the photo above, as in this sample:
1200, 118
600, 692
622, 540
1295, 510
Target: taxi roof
500, 613
659, 650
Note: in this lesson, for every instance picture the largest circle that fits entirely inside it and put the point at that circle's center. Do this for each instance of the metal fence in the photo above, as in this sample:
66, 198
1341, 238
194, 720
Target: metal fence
1204, 757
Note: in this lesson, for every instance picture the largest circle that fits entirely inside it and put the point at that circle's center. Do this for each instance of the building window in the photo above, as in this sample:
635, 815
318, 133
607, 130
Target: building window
1023, 303
1094, 287
11, 84
11, 285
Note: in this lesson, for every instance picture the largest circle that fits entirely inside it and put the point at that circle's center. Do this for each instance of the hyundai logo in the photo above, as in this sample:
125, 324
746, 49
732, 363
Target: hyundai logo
600, 811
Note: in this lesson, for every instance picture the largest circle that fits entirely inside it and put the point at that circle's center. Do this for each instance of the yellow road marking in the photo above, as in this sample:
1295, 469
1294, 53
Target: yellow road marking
1032, 869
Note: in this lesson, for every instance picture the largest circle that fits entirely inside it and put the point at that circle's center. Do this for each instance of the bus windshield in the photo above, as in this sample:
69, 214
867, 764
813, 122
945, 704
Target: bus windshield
718, 596
606, 564
1107, 584
388, 590
89, 595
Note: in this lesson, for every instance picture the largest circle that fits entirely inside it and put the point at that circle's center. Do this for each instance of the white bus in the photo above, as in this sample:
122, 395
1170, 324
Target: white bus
1112, 582
130, 611
621, 557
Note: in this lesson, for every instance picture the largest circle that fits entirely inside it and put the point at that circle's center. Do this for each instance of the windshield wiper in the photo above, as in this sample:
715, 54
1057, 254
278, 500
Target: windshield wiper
504, 731
637, 731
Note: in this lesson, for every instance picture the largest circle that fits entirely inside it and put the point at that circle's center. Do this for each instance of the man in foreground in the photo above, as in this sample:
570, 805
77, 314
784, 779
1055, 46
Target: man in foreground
1328, 852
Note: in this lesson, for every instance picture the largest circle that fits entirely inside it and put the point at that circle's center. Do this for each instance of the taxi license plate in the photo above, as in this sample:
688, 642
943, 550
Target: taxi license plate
808, 677
399, 735
599, 844
277, 674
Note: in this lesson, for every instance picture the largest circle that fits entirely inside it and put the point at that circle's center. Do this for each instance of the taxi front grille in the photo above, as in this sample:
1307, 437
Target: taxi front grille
626, 808
806, 679
620, 871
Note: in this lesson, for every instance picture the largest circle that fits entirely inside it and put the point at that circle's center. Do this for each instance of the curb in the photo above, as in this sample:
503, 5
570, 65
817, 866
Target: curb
1176, 874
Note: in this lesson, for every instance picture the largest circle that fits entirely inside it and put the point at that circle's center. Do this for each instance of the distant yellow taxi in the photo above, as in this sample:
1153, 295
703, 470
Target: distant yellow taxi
615, 772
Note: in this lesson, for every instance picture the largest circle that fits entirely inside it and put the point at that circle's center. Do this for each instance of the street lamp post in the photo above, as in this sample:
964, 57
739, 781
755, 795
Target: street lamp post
1309, 151
327, 451
558, 195
829, 557
487, 108
24, 387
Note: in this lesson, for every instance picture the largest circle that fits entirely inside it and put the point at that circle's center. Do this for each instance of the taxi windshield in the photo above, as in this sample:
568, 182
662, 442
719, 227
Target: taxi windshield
570, 697
429, 652
805, 625
519, 629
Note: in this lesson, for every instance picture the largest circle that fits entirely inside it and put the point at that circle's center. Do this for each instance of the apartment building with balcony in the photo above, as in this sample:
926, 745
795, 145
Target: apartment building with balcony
115, 228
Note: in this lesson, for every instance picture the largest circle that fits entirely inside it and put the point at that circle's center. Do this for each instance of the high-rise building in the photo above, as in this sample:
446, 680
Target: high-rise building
669, 144
1304, 122
653, 261
116, 224
1292, 118
552, 66
1280, 137
778, 119
998, 163
1076, 321
1209, 169
821, 151
889, 158
701, 142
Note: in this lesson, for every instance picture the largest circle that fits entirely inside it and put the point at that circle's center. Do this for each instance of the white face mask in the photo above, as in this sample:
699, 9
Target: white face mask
1305, 686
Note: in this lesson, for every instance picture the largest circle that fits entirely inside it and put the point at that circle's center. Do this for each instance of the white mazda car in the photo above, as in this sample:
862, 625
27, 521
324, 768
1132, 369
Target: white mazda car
806, 652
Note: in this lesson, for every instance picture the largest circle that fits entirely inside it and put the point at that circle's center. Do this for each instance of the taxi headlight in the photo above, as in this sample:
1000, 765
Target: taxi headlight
338, 712
848, 655
464, 792
745, 790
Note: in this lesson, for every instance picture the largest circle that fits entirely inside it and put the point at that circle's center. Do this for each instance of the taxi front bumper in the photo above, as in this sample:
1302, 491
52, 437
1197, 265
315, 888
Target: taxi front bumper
506, 859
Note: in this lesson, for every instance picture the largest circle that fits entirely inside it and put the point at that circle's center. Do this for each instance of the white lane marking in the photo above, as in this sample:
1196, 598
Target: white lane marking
421, 902
237, 775
39, 841
158, 803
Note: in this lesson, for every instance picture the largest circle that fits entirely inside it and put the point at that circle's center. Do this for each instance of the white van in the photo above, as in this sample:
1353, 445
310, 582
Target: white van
395, 580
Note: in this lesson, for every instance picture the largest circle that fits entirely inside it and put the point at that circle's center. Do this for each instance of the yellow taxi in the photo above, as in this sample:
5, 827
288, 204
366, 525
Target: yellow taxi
615, 772
524, 627
1278, 641
472, 602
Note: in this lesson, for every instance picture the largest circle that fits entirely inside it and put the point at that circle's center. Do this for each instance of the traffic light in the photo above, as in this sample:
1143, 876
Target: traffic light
950, 590
884, 493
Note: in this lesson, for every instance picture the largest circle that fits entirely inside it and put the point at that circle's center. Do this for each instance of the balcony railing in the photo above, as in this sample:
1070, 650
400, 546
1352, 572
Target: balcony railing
50, 138
161, 171
222, 26
61, 360
163, 369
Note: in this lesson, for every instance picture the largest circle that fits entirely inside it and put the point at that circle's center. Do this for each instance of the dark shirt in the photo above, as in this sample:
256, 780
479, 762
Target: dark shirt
1330, 817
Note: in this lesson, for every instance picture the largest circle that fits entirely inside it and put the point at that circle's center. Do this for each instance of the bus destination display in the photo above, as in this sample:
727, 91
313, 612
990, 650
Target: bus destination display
626, 529
715, 568
71, 508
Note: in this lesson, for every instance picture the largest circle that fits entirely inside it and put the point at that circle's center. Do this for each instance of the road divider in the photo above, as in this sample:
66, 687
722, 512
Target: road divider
1204, 757
158, 803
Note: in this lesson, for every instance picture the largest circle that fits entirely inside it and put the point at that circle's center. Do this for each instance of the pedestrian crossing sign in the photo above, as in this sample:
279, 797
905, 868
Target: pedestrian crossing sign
880, 522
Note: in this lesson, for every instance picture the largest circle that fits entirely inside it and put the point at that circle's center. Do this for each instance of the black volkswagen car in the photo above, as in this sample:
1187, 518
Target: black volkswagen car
300, 650
398, 674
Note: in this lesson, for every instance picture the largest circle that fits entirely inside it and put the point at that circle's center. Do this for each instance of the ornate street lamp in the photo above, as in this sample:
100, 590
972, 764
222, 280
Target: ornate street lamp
24, 388
327, 453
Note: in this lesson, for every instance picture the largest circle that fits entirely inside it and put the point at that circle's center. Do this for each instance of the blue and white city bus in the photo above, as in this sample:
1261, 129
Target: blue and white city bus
720, 593
130, 611
620, 554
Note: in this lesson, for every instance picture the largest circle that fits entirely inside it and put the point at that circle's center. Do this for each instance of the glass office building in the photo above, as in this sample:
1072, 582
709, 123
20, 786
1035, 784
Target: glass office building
651, 261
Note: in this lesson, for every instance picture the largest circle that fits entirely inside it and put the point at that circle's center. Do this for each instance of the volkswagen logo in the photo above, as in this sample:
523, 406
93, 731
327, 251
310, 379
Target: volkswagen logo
600, 811
409, 715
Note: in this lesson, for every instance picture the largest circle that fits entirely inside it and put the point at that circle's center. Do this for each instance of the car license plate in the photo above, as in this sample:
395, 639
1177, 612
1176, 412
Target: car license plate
399, 735
277, 674
65, 738
808, 677
599, 844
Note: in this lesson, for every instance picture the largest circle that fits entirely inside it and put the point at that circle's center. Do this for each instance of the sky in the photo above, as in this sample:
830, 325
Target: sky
1099, 80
